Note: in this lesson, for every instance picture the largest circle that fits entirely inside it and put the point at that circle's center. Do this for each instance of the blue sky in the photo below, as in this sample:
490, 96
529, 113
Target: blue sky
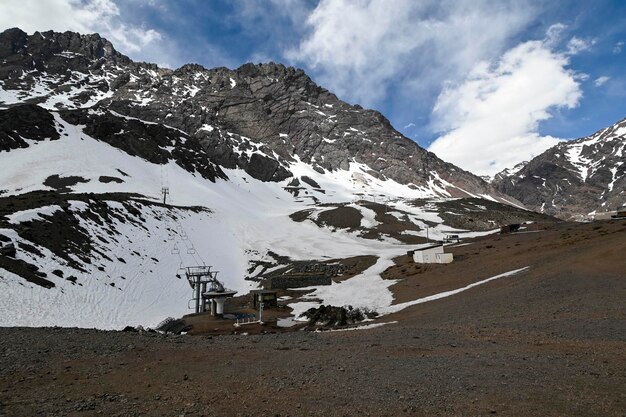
484, 84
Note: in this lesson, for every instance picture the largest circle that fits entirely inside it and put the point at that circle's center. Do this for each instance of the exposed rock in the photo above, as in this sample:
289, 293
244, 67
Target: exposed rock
573, 179
330, 316
25, 121
260, 118
63, 184
8, 250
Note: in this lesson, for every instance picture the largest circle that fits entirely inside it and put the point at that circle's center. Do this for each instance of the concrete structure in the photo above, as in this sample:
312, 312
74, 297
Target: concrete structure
269, 298
620, 214
208, 292
452, 239
213, 301
431, 255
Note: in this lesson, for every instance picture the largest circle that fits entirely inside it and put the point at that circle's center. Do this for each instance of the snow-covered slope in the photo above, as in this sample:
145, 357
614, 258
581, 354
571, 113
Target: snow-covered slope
106, 250
259, 118
574, 180
262, 167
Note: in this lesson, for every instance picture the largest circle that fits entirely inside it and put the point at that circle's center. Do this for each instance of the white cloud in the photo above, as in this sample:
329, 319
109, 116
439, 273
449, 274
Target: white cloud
492, 118
577, 45
581, 76
83, 16
410, 125
554, 34
358, 48
617, 49
600, 81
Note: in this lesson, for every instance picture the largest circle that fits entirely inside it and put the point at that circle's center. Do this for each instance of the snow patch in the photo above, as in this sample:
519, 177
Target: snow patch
32, 214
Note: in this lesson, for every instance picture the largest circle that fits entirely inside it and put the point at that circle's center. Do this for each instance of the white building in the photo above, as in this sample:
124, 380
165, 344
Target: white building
431, 255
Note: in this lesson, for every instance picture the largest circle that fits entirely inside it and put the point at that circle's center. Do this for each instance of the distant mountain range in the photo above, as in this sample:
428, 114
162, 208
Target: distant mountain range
573, 180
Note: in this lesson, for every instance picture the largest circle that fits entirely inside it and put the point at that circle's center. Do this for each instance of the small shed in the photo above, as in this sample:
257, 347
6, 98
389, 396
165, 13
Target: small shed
269, 298
431, 255
452, 238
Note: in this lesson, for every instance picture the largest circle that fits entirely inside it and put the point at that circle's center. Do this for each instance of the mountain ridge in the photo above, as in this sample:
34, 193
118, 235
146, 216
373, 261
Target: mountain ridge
281, 109
575, 179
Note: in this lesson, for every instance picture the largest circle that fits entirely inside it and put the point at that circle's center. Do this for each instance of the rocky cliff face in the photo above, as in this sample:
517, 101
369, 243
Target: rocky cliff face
261, 118
574, 179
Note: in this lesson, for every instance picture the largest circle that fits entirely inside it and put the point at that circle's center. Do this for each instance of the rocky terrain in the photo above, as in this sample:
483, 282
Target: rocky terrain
260, 118
116, 174
573, 180
548, 341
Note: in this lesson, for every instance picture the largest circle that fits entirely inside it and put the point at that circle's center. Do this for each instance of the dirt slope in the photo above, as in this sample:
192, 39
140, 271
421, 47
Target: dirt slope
546, 342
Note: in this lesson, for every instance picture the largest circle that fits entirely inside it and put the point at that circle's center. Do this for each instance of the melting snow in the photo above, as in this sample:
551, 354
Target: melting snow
397, 307
32, 214
150, 290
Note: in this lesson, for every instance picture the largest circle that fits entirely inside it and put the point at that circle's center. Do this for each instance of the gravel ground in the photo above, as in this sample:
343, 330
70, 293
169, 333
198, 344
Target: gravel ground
546, 342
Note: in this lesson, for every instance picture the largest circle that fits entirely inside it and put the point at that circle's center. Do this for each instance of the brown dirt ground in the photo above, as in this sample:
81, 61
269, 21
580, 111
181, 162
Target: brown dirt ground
546, 342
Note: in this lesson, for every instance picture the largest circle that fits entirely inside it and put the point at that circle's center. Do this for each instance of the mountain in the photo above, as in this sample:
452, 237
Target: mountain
117, 173
573, 180
262, 118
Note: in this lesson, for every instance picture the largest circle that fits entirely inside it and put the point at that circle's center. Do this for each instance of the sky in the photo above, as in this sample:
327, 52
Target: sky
483, 84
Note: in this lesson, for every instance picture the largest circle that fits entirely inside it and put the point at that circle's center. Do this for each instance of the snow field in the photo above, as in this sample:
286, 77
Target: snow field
247, 218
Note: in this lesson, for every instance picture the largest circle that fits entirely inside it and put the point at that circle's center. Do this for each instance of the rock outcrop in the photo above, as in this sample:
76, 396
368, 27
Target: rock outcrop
261, 118
573, 180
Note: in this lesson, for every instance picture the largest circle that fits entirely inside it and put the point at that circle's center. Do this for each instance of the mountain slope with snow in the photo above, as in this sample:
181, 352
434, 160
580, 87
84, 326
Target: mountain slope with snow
575, 179
260, 118
262, 167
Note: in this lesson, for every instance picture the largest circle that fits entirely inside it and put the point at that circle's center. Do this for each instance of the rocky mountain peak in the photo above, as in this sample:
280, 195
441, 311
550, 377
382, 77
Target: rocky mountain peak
269, 69
12, 41
45, 44
262, 118
574, 179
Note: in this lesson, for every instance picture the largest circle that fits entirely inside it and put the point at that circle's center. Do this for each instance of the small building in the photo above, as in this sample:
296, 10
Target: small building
269, 298
452, 239
431, 255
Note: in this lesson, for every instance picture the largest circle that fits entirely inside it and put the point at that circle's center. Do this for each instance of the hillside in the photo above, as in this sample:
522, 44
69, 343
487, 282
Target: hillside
548, 340
574, 180
261, 166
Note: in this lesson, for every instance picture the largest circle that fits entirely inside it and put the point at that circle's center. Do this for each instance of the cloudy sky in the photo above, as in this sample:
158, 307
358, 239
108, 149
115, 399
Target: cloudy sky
483, 84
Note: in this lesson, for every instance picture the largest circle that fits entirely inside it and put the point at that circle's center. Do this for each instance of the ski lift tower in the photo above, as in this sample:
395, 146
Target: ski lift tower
207, 289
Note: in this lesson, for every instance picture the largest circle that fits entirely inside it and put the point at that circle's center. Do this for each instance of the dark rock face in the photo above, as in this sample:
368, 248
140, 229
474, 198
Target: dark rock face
64, 58
573, 178
260, 118
25, 121
266, 169
151, 142
62, 184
